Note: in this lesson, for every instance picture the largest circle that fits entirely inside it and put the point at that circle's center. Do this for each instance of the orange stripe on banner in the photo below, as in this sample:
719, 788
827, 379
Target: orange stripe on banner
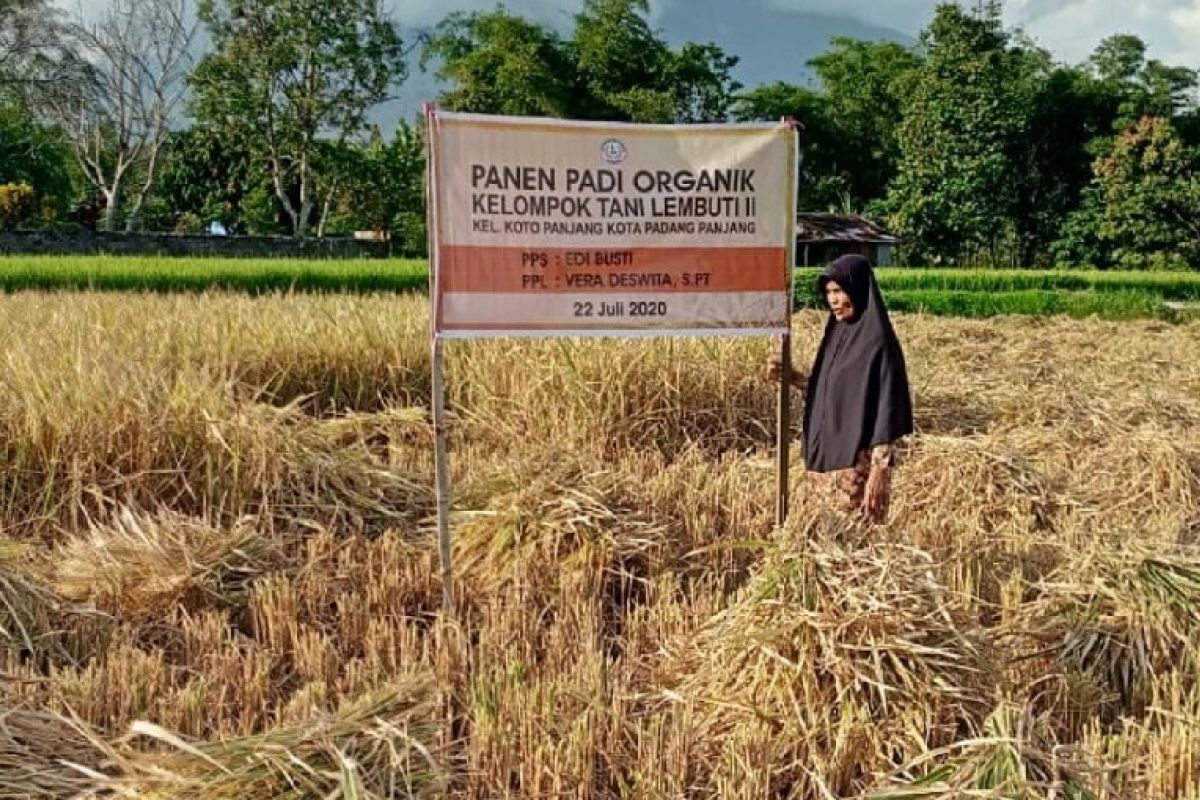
599, 270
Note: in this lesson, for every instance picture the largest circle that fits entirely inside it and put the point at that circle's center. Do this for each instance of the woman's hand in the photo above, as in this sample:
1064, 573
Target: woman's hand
775, 371
875, 494
774, 368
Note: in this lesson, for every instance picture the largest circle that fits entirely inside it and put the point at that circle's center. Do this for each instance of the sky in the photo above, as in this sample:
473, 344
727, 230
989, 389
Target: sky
1068, 28
774, 38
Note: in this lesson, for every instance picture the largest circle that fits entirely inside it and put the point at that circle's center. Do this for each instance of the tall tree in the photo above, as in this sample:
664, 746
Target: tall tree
385, 188
864, 85
700, 77
117, 111
1149, 187
1053, 162
35, 154
501, 63
615, 66
1083, 115
849, 122
34, 45
1188, 125
1143, 207
209, 176
620, 61
962, 123
823, 184
631, 72
1138, 86
286, 74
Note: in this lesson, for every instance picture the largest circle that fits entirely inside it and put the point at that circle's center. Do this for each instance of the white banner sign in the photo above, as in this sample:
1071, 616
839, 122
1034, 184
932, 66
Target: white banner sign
547, 227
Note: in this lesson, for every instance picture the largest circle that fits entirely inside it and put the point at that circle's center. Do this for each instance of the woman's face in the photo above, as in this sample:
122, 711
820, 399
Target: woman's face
839, 302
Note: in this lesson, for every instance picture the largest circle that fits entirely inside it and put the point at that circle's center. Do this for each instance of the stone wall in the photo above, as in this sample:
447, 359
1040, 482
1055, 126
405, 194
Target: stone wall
171, 244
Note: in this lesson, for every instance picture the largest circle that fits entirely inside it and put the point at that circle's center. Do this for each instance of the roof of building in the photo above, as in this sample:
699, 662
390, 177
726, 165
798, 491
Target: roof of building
821, 227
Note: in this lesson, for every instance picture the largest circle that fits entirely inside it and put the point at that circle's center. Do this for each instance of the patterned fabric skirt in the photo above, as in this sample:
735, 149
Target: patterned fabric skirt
844, 489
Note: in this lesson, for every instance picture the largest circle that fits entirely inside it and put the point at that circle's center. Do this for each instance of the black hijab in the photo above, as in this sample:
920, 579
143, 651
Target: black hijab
858, 394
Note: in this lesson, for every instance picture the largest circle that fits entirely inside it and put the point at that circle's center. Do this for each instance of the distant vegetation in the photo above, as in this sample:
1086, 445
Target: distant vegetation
253, 276
974, 143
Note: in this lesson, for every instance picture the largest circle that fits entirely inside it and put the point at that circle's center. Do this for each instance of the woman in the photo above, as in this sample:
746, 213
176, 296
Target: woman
857, 403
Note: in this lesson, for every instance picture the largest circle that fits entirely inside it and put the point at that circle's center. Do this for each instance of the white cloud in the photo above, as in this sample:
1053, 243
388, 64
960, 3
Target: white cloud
1171, 28
1069, 28
1186, 20
902, 15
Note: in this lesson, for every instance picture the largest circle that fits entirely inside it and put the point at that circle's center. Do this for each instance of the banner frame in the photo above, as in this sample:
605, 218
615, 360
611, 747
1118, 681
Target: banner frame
434, 117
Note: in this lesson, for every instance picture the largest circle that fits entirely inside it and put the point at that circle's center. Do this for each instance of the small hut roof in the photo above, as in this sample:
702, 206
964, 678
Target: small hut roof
818, 227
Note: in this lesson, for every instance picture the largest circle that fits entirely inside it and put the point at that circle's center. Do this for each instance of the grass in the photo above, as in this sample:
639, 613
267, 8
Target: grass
989, 293
1168, 285
220, 572
1125, 304
944, 292
170, 275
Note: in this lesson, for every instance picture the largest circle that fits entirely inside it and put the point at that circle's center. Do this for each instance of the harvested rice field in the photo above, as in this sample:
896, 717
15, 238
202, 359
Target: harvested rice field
219, 574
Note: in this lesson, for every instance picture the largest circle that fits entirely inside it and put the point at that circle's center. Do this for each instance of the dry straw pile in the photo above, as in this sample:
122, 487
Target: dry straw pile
218, 573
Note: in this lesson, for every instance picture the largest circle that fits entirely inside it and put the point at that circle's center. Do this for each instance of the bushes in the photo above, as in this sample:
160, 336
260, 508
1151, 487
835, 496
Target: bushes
18, 205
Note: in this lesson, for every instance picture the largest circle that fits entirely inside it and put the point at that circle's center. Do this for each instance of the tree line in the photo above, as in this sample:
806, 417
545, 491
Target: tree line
974, 143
